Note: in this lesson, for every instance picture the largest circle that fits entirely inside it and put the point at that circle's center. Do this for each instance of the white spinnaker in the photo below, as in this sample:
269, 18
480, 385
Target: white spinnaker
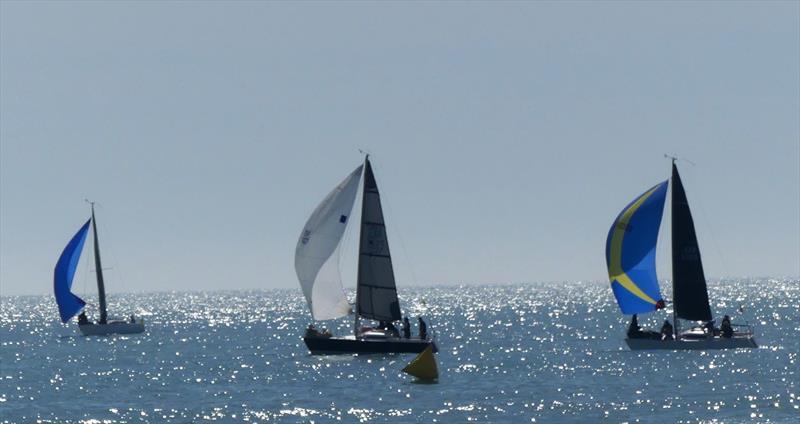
316, 258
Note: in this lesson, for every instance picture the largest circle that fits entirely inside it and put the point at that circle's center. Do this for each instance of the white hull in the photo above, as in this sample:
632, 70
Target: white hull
113, 327
736, 342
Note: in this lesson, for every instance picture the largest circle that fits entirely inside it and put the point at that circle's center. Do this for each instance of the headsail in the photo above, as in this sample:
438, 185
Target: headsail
376, 295
316, 260
631, 252
68, 303
688, 281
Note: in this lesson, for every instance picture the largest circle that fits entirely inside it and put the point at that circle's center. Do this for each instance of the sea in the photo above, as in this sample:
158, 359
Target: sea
540, 352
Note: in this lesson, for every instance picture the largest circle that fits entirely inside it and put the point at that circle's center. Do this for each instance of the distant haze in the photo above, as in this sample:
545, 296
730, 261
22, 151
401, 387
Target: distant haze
506, 137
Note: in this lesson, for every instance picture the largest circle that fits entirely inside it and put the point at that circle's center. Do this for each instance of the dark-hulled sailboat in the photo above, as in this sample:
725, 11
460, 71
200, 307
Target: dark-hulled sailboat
317, 267
630, 257
70, 305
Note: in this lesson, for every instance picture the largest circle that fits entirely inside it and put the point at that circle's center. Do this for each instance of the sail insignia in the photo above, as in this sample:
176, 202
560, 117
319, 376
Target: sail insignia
630, 252
68, 303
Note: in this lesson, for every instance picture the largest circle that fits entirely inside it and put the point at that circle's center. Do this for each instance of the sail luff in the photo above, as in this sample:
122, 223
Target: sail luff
68, 303
101, 287
690, 293
376, 293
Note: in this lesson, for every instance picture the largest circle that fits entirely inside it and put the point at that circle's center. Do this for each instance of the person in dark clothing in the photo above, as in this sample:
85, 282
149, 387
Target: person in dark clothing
634, 331
423, 329
82, 320
406, 328
392, 329
726, 328
666, 331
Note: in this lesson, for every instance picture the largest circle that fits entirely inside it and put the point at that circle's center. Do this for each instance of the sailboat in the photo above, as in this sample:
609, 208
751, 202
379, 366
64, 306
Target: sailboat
630, 257
70, 305
317, 267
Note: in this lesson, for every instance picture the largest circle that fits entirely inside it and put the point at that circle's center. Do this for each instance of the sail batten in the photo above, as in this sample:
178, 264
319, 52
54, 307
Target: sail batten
631, 249
317, 252
690, 293
376, 293
68, 303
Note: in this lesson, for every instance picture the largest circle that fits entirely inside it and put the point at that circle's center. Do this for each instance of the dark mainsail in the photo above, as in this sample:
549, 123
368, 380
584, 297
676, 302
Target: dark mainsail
376, 294
101, 288
688, 282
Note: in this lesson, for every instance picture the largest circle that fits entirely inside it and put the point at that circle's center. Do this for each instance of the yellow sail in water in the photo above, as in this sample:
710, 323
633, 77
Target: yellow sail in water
423, 366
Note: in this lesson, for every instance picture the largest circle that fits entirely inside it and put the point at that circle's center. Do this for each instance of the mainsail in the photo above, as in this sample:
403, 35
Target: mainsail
376, 294
631, 252
316, 259
68, 303
688, 282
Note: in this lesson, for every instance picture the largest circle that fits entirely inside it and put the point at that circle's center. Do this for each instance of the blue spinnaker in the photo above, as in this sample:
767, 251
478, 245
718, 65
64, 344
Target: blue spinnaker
631, 252
68, 303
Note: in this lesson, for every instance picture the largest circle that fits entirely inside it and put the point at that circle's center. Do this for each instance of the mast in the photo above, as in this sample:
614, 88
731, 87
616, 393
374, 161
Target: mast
676, 327
357, 320
101, 288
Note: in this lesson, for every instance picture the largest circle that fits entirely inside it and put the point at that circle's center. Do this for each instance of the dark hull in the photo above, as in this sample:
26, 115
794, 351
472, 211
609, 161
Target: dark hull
350, 345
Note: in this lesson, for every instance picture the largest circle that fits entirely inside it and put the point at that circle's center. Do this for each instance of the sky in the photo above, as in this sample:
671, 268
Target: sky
505, 137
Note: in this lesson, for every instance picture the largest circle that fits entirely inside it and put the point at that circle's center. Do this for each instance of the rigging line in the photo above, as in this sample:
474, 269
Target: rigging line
109, 247
396, 225
699, 201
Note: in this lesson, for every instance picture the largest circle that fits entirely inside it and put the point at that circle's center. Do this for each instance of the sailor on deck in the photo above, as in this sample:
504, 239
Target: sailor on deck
726, 328
634, 331
406, 328
666, 331
423, 329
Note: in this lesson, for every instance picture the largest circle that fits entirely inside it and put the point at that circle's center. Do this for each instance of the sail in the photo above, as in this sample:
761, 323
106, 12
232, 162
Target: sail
376, 294
68, 303
631, 252
688, 282
316, 258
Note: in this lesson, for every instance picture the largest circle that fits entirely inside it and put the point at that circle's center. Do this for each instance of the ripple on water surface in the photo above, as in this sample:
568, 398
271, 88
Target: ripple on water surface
510, 353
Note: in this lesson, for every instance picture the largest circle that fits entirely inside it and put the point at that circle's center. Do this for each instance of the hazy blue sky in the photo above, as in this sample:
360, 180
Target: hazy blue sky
506, 136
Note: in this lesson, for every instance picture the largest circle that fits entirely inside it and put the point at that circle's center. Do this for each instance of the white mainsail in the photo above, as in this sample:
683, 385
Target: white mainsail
316, 258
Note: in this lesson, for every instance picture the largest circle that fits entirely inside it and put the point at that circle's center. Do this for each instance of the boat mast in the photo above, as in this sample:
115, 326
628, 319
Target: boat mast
676, 327
101, 288
357, 321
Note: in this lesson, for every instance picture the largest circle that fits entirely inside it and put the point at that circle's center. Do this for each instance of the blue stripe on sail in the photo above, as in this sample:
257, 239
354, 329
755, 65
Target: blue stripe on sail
68, 303
631, 252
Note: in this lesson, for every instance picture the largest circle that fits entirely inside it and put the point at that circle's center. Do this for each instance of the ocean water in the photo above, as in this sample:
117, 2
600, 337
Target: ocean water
543, 353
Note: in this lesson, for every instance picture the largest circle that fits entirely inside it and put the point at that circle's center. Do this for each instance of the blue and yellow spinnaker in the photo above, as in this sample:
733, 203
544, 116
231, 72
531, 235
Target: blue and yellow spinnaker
631, 252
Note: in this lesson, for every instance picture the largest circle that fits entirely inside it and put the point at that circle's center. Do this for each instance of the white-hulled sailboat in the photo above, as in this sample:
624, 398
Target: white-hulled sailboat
630, 256
317, 267
69, 304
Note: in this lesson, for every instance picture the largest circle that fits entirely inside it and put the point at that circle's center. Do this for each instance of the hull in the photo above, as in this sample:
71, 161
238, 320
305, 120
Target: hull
113, 327
693, 344
351, 345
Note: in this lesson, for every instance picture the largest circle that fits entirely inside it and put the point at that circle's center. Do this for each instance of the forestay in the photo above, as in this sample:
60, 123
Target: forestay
316, 258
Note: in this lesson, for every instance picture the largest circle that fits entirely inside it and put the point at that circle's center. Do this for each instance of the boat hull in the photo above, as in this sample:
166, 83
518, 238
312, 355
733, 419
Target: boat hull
693, 344
351, 345
113, 327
